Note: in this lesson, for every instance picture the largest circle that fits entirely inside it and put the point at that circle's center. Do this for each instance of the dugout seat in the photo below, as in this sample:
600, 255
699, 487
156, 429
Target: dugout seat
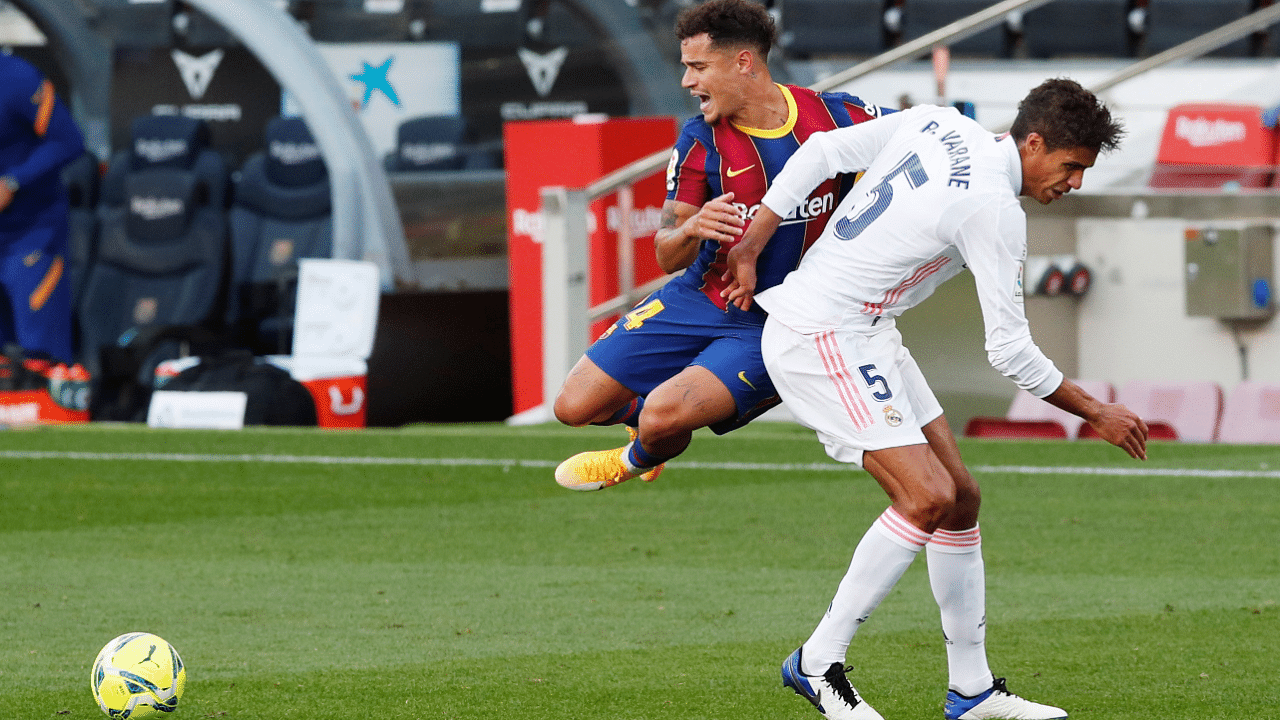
161, 261
358, 21
471, 25
1206, 145
132, 24
1251, 414
168, 141
282, 212
836, 26
922, 17
1005, 429
1031, 417
1173, 22
1173, 410
437, 142
1091, 28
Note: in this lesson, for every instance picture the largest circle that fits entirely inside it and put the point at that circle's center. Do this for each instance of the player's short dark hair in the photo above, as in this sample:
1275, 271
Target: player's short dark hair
730, 23
1067, 115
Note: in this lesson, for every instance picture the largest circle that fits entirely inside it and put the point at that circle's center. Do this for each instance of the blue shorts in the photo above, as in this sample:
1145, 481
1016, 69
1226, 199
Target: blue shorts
677, 327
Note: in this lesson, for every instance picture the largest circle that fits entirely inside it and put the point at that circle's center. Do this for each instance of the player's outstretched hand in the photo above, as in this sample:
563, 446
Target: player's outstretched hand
740, 262
1121, 427
741, 273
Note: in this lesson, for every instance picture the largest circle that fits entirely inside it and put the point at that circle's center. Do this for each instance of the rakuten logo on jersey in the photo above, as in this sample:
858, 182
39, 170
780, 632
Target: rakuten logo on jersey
812, 208
1200, 132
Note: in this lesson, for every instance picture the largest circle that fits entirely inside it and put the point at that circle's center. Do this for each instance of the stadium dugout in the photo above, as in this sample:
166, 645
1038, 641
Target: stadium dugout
366, 224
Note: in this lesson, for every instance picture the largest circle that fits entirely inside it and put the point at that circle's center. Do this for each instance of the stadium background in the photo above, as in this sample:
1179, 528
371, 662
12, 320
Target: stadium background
443, 351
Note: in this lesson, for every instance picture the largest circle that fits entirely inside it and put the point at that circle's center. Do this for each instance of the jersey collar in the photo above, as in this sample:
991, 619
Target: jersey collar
787, 127
1014, 160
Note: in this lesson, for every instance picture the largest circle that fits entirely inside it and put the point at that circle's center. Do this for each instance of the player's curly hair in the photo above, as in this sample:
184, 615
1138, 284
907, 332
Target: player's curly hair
730, 23
1067, 115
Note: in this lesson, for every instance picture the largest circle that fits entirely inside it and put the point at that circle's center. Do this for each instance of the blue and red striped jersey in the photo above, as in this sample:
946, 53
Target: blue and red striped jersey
710, 160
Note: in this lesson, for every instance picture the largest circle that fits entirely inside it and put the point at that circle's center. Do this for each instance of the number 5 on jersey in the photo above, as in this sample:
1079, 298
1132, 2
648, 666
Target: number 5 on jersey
873, 380
911, 168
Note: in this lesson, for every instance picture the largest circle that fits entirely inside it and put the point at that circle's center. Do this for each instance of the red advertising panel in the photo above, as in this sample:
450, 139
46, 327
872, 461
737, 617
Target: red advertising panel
573, 153
1206, 145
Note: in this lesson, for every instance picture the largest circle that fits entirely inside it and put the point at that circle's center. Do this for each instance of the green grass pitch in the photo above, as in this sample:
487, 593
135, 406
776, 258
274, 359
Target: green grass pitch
439, 572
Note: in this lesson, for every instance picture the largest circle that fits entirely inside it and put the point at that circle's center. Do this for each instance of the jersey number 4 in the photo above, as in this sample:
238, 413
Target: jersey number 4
882, 194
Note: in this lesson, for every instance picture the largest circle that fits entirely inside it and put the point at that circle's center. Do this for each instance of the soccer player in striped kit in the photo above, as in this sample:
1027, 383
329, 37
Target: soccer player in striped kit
37, 138
684, 358
940, 194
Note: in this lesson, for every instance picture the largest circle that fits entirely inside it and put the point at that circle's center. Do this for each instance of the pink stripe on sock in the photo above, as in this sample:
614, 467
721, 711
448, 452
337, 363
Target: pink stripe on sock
963, 539
892, 521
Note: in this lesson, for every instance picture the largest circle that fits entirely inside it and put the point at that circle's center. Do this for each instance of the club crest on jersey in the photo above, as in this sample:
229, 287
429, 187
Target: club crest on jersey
671, 170
891, 416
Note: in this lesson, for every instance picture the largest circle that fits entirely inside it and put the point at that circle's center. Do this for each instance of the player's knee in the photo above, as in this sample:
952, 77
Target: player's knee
968, 495
569, 410
659, 419
930, 505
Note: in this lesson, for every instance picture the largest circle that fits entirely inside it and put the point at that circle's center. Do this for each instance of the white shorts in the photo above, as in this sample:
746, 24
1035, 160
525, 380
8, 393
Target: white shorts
858, 388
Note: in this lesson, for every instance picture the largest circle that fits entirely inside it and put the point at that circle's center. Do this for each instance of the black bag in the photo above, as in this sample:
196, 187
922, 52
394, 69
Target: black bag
274, 397
122, 384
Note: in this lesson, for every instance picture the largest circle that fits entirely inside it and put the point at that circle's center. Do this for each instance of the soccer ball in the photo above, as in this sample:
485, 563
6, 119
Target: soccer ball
138, 675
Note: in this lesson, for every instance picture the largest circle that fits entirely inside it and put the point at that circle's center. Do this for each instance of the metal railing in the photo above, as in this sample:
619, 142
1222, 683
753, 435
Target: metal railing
1196, 46
945, 35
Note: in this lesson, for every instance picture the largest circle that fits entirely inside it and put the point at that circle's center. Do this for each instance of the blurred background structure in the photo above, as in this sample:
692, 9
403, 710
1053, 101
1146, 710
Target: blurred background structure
399, 152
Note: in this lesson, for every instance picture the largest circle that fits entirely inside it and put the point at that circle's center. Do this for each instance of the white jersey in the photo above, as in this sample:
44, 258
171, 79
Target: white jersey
940, 194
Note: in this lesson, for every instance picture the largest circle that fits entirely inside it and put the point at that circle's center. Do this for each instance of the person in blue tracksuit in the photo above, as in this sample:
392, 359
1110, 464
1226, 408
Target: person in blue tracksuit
37, 139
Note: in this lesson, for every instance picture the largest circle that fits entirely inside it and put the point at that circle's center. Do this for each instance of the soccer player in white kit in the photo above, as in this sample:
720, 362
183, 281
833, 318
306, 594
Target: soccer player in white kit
940, 195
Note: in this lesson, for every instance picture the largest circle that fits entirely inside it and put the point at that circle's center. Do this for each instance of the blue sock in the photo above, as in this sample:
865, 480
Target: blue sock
628, 414
641, 458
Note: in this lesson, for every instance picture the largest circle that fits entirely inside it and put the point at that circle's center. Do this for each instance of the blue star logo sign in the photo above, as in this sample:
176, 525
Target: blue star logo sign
375, 80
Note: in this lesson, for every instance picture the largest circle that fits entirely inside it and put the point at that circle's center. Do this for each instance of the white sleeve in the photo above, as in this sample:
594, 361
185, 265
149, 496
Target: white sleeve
827, 154
993, 243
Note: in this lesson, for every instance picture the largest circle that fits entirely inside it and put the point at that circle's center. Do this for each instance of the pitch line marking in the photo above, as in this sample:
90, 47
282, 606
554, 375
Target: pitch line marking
525, 463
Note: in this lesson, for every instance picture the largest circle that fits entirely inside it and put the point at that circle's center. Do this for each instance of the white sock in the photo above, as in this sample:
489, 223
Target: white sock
882, 556
959, 585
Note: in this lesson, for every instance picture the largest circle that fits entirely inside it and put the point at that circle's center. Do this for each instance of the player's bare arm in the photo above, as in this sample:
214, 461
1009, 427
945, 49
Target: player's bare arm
685, 226
741, 261
1114, 422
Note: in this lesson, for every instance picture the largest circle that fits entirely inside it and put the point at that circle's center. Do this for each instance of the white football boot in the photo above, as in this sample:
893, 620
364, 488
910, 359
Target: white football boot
998, 704
830, 692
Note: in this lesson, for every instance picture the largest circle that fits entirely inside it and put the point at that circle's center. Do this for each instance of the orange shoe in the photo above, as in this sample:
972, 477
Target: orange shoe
598, 469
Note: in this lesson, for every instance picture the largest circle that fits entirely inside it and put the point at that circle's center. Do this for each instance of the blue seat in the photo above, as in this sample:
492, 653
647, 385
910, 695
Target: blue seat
1173, 22
924, 16
168, 141
133, 24
833, 26
1081, 28
468, 23
161, 261
437, 142
281, 212
350, 21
